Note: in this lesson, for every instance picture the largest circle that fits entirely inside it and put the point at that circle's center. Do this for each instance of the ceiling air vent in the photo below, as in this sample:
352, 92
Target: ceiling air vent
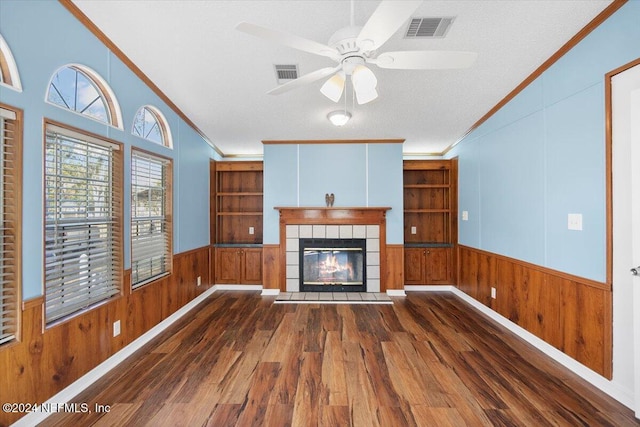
286, 73
428, 27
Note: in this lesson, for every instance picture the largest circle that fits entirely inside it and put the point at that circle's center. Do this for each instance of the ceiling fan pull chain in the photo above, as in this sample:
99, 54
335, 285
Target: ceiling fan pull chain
352, 20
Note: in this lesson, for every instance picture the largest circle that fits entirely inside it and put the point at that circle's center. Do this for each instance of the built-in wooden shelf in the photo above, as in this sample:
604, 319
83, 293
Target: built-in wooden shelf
429, 221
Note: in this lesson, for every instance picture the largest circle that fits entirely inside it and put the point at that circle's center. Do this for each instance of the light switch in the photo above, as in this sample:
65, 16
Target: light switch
413, 229
465, 215
574, 222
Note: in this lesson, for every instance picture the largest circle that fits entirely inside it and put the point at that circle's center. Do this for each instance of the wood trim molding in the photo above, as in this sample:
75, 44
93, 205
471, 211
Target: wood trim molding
340, 215
93, 28
32, 303
580, 35
332, 141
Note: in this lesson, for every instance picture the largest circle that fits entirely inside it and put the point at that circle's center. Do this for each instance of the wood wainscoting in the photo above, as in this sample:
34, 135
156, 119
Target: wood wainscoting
395, 267
48, 359
571, 313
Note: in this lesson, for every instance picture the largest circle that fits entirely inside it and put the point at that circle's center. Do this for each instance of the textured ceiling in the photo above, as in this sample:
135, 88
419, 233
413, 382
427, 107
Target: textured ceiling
218, 77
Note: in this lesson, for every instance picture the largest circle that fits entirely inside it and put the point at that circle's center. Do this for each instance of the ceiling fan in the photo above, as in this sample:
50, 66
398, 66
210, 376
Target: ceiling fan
353, 48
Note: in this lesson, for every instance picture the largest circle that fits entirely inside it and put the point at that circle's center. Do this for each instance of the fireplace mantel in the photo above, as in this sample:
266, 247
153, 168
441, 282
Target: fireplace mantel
332, 215
319, 220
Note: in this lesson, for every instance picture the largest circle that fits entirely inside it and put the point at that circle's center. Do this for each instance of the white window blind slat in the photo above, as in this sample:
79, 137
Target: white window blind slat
9, 182
82, 248
150, 225
7, 114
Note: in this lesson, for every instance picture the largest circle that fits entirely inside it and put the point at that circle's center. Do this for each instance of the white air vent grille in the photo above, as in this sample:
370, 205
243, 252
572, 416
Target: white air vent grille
286, 73
428, 27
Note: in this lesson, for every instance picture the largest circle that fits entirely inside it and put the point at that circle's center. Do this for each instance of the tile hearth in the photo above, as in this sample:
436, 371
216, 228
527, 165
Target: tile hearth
333, 297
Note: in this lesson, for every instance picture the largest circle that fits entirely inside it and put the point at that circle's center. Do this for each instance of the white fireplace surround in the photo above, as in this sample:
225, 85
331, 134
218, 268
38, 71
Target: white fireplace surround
295, 232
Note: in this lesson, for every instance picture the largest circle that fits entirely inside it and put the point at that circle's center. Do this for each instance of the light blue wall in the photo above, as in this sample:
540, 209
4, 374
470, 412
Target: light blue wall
358, 175
38, 54
542, 156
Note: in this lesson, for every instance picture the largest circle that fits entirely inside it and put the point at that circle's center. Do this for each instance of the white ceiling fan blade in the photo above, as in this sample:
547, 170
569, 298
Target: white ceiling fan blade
385, 21
287, 39
303, 80
425, 60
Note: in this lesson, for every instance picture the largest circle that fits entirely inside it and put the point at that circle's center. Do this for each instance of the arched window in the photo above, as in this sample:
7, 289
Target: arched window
151, 125
79, 89
8, 69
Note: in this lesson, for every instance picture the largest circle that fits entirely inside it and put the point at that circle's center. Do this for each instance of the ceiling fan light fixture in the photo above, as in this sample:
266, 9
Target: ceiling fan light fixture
364, 96
334, 87
339, 117
364, 84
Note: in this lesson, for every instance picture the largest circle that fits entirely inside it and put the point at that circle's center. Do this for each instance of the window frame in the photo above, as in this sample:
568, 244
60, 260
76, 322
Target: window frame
167, 217
15, 231
163, 125
111, 103
9, 76
117, 209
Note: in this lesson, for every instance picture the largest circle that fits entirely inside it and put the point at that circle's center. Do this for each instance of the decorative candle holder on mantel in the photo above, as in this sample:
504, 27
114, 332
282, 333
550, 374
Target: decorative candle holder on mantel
329, 199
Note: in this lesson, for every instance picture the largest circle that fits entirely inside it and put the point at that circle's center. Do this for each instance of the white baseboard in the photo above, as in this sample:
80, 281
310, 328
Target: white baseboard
430, 288
621, 395
229, 287
396, 293
73, 389
269, 292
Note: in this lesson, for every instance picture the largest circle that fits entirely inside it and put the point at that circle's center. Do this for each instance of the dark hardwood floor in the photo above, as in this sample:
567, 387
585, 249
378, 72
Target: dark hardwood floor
427, 360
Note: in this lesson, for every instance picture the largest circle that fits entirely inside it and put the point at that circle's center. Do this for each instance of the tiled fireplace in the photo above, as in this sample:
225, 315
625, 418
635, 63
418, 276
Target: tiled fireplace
364, 224
368, 233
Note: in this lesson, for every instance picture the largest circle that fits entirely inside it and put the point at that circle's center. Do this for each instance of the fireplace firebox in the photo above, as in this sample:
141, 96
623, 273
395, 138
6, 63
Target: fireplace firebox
333, 265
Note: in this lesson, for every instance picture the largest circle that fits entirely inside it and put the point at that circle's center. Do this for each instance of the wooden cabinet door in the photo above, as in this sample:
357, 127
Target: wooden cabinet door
438, 266
252, 266
414, 266
228, 265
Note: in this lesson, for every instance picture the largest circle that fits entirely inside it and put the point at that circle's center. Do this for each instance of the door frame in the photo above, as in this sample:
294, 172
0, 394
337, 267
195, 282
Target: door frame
618, 267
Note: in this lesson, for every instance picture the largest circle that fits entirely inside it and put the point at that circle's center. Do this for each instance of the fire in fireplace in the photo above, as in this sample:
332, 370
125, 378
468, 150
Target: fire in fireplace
333, 265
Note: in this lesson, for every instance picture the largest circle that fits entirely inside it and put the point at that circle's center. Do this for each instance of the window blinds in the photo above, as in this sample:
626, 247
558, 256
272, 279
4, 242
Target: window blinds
9, 178
82, 238
150, 218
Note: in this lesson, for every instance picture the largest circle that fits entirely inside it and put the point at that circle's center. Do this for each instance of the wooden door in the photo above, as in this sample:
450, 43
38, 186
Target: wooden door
228, 265
438, 266
414, 266
252, 266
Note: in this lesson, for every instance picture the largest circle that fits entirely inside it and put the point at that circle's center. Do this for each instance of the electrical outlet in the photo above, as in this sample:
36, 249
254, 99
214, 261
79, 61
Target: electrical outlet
252, 230
414, 230
493, 293
574, 222
116, 328
199, 281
